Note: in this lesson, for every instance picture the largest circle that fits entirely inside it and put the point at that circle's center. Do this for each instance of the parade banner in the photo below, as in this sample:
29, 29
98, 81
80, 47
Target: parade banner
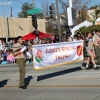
49, 55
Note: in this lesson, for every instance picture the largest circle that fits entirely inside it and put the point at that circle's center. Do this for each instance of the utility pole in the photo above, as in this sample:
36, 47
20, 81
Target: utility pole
70, 3
11, 11
58, 21
36, 28
35, 25
33, 2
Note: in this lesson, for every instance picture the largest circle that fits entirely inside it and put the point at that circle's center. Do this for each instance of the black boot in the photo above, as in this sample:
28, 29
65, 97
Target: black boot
23, 87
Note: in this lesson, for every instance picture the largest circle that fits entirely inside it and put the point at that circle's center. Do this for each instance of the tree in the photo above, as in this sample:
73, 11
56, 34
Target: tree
95, 14
45, 7
83, 15
26, 6
90, 28
49, 27
81, 7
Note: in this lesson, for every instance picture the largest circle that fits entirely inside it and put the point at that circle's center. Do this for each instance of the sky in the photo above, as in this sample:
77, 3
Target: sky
16, 6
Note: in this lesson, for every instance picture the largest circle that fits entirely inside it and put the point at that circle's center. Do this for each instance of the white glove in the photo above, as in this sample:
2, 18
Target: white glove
23, 49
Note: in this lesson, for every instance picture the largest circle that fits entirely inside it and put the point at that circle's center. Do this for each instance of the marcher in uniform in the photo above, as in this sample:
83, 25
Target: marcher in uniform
90, 51
96, 40
20, 60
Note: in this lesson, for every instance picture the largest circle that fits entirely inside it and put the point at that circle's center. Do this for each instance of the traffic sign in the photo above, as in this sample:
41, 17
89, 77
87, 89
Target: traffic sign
33, 11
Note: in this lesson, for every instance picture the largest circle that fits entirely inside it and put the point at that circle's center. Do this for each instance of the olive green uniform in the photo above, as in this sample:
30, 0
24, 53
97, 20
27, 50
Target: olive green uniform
20, 60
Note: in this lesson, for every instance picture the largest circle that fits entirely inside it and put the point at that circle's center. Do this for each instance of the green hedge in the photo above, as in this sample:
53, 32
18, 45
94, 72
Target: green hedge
90, 28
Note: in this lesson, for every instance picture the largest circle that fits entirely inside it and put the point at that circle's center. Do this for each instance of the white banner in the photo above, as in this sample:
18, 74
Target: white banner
49, 55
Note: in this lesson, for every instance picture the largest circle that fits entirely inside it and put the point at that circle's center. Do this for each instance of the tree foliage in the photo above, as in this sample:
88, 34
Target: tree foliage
89, 29
95, 15
26, 6
81, 7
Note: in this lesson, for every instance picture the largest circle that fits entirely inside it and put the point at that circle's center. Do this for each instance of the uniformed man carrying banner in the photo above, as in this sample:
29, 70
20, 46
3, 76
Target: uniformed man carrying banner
20, 60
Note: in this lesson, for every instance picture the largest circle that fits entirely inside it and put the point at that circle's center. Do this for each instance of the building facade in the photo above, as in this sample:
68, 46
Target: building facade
94, 13
13, 27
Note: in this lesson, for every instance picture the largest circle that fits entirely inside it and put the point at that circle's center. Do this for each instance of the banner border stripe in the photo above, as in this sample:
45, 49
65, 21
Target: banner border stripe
58, 65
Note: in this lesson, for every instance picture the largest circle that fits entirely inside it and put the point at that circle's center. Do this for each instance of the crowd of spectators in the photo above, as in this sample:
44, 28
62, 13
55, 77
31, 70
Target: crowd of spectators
6, 55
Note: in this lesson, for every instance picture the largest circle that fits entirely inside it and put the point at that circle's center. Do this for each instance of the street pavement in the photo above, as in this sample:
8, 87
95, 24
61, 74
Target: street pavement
71, 75
68, 82
51, 93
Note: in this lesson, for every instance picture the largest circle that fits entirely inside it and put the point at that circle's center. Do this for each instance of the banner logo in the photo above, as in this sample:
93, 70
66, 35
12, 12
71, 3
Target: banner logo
79, 50
39, 56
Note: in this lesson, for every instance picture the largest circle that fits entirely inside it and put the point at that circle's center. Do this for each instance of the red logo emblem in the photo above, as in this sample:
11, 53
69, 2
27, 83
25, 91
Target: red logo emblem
79, 50
39, 54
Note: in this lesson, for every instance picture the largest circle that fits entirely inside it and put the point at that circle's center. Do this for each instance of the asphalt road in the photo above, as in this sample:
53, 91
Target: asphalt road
50, 93
68, 82
62, 76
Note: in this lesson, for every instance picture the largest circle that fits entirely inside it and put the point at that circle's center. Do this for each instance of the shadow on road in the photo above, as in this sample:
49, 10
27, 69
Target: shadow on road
3, 83
46, 76
27, 80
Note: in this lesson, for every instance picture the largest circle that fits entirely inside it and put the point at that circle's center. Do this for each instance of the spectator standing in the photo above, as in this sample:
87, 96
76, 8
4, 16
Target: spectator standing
4, 54
56, 39
68, 38
10, 57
